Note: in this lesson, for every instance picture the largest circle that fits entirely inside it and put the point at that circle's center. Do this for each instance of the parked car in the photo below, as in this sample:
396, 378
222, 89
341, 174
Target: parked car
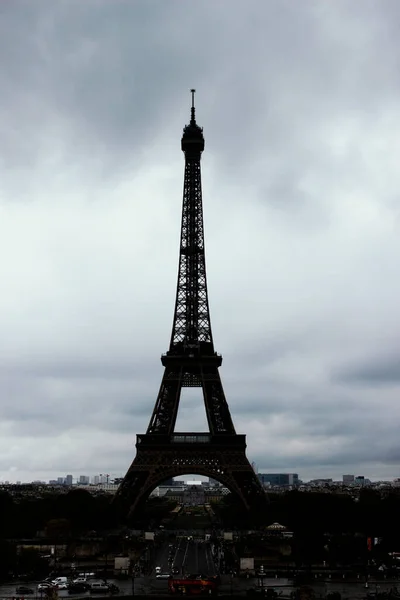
163, 576
98, 587
79, 587
44, 586
101, 587
23, 590
80, 580
61, 586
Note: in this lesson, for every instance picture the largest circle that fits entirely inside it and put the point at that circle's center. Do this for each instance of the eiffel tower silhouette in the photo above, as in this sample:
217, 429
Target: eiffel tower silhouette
191, 361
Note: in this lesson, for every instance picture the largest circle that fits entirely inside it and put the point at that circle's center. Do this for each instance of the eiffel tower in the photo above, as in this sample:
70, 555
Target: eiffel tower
191, 361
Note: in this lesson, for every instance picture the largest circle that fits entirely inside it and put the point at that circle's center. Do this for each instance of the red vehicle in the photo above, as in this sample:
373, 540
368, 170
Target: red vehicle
193, 587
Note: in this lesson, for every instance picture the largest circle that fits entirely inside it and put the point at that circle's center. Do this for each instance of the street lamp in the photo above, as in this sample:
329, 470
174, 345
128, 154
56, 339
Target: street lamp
106, 566
262, 574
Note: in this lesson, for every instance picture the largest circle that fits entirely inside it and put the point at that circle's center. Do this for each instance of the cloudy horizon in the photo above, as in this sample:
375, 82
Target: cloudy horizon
300, 108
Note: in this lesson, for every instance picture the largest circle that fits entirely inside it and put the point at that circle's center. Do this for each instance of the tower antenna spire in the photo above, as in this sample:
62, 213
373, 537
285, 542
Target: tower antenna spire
192, 110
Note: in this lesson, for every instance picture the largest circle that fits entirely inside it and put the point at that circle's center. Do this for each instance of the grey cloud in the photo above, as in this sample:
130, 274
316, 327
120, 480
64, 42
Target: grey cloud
84, 369
99, 75
378, 372
300, 112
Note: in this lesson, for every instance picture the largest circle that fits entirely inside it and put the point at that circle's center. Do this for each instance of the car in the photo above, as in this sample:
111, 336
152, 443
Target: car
78, 588
163, 576
44, 586
23, 590
61, 586
98, 588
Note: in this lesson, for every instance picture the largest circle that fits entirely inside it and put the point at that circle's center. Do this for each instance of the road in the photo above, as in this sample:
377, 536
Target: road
186, 556
9, 590
151, 585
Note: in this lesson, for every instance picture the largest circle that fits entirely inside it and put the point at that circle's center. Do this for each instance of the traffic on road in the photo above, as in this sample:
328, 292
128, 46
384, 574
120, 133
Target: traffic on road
187, 555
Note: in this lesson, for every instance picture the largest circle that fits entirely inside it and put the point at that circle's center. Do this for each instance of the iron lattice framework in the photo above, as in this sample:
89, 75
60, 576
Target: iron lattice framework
191, 361
192, 316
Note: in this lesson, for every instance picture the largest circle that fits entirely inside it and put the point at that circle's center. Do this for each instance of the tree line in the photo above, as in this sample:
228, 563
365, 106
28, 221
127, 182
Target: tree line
317, 513
78, 512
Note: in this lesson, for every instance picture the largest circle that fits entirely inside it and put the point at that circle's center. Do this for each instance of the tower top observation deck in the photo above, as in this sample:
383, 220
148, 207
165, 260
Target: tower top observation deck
192, 138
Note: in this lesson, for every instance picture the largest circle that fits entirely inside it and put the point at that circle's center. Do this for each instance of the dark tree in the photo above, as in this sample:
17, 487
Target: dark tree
6, 514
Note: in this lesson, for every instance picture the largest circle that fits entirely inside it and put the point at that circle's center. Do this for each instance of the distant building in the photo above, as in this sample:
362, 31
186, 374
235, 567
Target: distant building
60, 480
216, 493
213, 482
96, 480
361, 480
68, 480
325, 481
175, 494
84, 479
194, 495
278, 530
348, 479
278, 479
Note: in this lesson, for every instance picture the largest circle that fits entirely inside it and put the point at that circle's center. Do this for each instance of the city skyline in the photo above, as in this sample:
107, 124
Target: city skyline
100, 478
300, 111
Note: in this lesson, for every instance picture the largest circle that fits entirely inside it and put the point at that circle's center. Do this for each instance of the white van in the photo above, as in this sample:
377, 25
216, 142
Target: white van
59, 580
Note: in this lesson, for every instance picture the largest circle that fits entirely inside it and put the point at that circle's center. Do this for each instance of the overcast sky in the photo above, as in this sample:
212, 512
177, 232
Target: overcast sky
300, 107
